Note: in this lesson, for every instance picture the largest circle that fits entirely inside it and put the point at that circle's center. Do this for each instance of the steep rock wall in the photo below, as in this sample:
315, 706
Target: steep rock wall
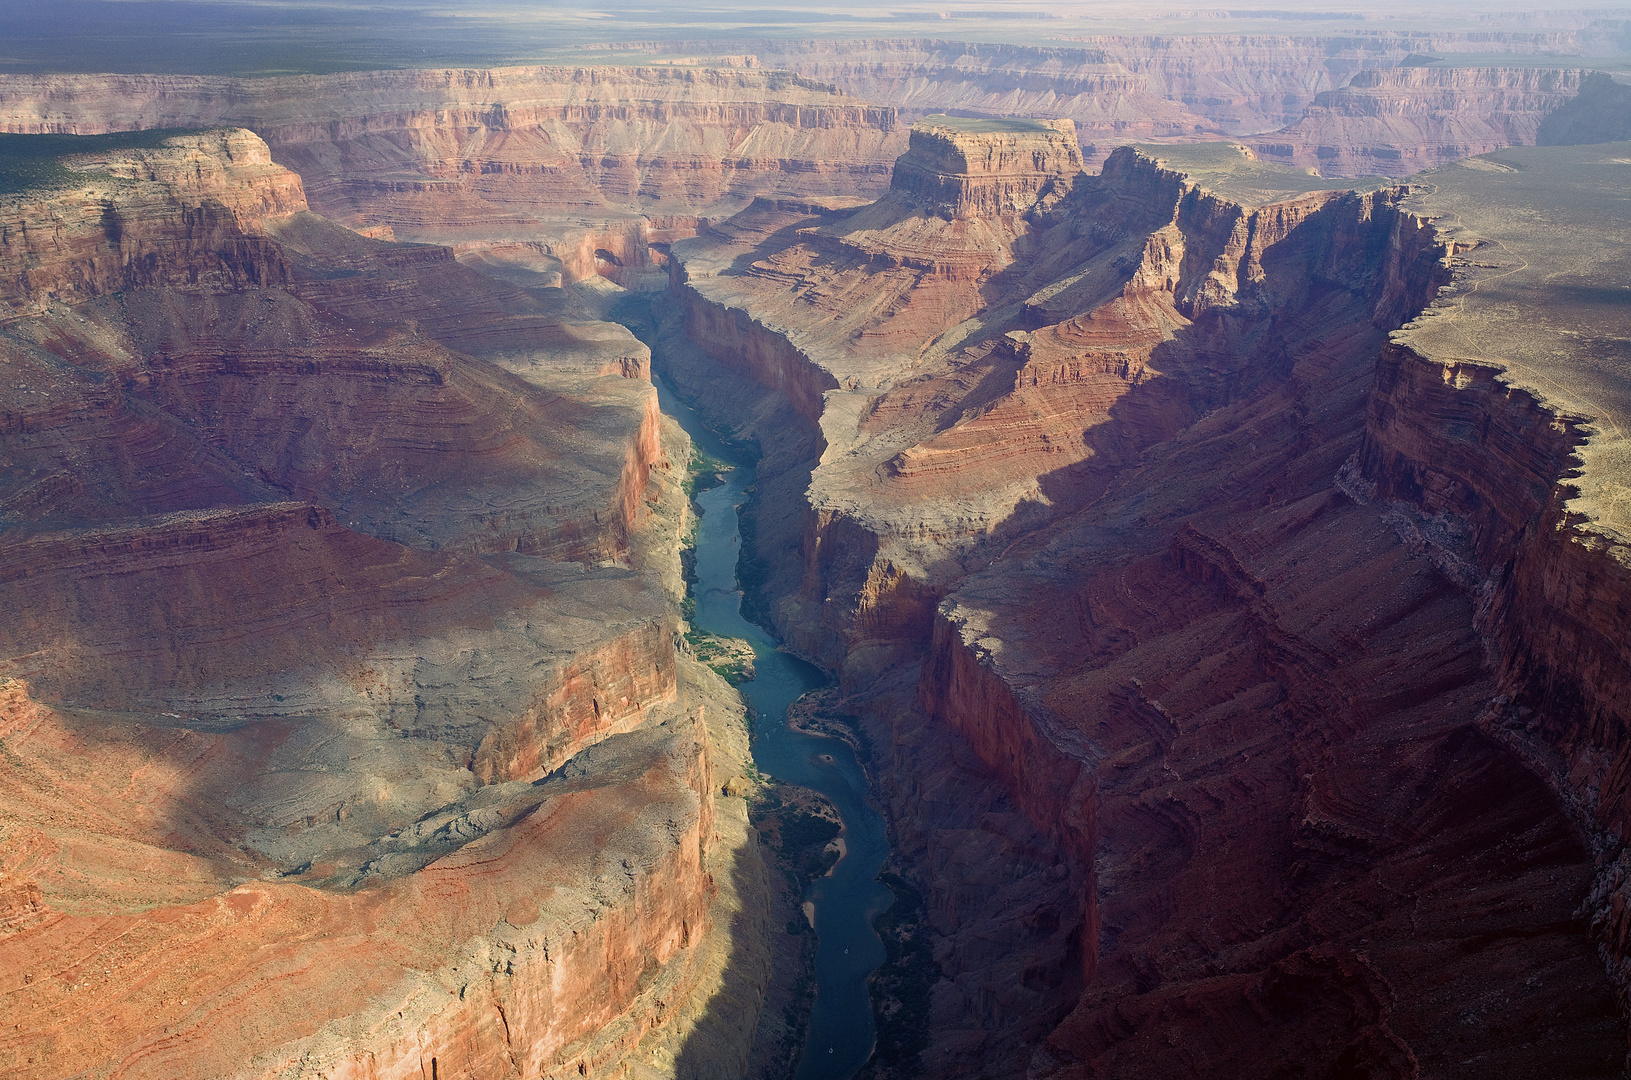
484, 154
1489, 466
744, 344
571, 932
1210, 259
957, 172
1399, 122
478, 819
194, 212
1130, 88
1101, 676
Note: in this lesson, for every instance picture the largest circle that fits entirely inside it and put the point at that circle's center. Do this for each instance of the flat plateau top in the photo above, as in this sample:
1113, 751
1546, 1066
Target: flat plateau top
973, 125
33, 163
1547, 295
1233, 172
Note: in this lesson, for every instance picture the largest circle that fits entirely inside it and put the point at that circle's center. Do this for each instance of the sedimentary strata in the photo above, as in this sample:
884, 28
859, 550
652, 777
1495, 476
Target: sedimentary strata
545, 170
344, 728
1134, 88
1401, 121
1210, 625
1244, 673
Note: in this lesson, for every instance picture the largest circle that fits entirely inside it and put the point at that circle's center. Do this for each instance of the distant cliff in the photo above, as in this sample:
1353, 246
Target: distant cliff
484, 154
1398, 122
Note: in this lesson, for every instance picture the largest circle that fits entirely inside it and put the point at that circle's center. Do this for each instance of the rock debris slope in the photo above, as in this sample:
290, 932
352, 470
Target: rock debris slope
1249, 679
344, 729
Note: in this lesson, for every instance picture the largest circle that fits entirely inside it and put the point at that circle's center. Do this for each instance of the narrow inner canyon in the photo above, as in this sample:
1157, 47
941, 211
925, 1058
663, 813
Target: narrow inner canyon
844, 902
893, 559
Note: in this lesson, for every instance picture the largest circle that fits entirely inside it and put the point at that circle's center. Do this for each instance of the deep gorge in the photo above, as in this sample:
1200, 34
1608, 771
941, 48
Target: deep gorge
1235, 653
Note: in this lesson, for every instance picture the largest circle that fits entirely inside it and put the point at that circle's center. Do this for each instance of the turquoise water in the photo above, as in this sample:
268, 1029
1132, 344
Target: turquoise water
849, 898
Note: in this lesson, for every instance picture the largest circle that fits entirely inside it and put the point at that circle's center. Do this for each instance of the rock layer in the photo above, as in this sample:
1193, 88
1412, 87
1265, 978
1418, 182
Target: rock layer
1496, 418
494, 157
977, 169
1134, 88
1113, 513
194, 210
1255, 702
1398, 122
357, 573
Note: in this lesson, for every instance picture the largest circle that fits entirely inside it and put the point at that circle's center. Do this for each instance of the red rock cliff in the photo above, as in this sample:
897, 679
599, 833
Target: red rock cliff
482, 154
197, 212
352, 569
1399, 122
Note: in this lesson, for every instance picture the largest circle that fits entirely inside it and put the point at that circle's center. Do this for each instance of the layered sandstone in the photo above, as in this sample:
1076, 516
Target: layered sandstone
959, 424
582, 160
195, 207
1398, 122
984, 168
1498, 419
1255, 701
1120, 88
1098, 555
357, 573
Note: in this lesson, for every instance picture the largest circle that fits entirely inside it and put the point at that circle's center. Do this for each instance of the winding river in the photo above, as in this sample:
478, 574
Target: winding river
848, 899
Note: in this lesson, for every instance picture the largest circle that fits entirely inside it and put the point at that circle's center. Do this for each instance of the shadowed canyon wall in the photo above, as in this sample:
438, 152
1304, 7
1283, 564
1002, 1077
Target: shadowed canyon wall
1245, 707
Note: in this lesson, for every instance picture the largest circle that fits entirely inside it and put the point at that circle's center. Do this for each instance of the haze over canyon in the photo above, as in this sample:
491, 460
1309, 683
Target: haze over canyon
1174, 464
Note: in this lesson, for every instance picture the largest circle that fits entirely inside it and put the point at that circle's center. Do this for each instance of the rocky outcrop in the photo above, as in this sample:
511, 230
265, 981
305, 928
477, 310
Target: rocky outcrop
194, 209
1499, 437
1178, 87
560, 926
1231, 681
1099, 281
979, 169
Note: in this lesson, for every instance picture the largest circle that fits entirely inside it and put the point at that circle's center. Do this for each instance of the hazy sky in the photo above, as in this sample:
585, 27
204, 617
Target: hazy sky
274, 36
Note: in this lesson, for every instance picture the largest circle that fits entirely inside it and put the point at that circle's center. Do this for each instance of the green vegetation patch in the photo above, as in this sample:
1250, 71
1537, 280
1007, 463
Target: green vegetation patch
1230, 170
704, 472
731, 658
903, 985
798, 825
35, 162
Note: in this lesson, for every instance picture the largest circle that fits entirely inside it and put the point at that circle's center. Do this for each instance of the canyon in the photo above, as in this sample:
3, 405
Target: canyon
1220, 566
1240, 636
353, 744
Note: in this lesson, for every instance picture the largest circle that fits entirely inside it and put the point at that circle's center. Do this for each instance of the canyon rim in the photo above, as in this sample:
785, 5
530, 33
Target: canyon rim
1172, 466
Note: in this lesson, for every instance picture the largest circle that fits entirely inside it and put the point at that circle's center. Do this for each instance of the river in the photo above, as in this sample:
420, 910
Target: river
846, 901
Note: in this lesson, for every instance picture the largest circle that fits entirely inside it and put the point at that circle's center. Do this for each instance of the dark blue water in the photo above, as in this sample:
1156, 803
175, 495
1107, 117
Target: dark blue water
848, 899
